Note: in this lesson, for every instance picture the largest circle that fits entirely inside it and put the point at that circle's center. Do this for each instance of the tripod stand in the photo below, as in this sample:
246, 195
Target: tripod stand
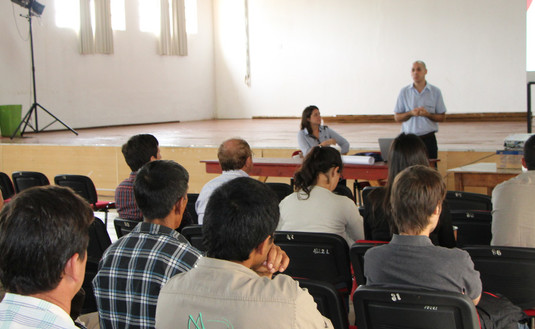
33, 109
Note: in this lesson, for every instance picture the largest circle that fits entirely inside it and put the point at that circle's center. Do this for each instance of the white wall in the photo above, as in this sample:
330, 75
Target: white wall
134, 85
353, 56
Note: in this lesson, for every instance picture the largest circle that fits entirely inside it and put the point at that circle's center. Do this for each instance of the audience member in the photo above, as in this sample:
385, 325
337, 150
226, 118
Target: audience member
44, 234
236, 160
406, 150
313, 133
420, 107
513, 213
233, 286
410, 260
313, 207
134, 268
139, 150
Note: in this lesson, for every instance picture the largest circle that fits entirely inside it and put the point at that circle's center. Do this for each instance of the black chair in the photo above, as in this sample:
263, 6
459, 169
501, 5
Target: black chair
281, 189
365, 192
399, 308
329, 301
342, 189
193, 234
99, 241
124, 226
26, 179
6, 186
509, 271
458, 200
356, 254
317, 256
473, 227
85, 188
190, 214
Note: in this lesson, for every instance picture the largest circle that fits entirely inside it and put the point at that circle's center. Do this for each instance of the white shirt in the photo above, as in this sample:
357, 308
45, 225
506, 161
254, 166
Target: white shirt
323, 212
211, 186
513, 212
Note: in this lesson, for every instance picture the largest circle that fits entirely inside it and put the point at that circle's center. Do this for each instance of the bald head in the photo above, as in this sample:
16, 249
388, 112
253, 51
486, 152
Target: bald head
233, 154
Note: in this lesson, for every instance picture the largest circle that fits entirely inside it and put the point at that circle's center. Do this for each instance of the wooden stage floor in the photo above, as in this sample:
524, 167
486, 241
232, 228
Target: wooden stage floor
95, 152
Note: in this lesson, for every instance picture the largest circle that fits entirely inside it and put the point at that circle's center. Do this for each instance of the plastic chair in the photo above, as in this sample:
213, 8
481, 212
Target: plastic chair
193, 234
329, 301
365, 192
458, 200
356, 254
124, 226
190, 216
281, 189
317, 256
400, 308
473, 227
26, 179
85, 188
6, 186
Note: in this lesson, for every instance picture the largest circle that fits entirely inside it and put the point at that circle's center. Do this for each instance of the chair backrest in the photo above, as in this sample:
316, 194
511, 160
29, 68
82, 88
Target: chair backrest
509, 271
80, 184
473, 227
124, 226
190, 215
342, 189
365, 192
400, 308
329, 301
281, 189
193, 234
458, 200
317, 256
6, 186
356, 254
26, 179
99, 241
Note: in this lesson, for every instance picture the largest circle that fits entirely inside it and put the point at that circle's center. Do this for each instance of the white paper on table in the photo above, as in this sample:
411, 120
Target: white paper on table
358, 159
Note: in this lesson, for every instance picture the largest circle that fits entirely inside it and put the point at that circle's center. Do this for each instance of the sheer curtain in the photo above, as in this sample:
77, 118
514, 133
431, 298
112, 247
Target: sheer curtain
173, 37
102, 41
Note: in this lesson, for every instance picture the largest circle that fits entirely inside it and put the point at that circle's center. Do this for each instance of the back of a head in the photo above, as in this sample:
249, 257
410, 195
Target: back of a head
406, 150
41, 228
529, 153
239, 216
307, 112
318, 160
139, 149
233, 154
416, 192
159, 185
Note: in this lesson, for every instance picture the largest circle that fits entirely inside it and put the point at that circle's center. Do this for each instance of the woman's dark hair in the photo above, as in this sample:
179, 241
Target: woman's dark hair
406, 150
307, 112
318, 160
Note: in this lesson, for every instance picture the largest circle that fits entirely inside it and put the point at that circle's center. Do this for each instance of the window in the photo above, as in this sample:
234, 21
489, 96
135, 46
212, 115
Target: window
149, 16
68, 14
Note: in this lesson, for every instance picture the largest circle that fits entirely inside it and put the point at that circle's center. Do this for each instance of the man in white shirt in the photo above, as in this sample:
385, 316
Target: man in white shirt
236, 160
513, 209
44, 233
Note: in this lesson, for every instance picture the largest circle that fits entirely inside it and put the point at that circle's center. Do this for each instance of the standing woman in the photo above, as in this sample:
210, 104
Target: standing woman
313, 207
313, 133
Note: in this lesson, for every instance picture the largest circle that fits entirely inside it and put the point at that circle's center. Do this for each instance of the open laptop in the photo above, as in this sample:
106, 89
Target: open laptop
384, 147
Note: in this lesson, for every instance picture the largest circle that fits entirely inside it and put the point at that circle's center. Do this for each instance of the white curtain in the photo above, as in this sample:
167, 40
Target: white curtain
103, 30
173, 37
86, 29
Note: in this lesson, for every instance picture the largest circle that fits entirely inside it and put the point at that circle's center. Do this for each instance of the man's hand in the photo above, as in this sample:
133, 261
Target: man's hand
277, 261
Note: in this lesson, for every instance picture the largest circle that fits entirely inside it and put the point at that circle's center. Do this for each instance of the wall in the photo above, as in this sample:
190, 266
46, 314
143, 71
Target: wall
353, 56
134, 85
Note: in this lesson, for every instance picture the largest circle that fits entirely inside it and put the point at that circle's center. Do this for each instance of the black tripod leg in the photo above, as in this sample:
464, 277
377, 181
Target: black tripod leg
57, 119
25, 120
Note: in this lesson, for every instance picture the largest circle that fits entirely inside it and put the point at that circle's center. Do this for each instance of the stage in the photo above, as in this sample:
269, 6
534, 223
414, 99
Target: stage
96, 153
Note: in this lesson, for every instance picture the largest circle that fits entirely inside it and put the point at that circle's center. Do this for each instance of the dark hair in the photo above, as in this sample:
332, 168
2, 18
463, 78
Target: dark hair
239, 216
529, 153
307, 112
406, 150
159, 185
233, 154
318, 160
139, 149
41, 228
416, 192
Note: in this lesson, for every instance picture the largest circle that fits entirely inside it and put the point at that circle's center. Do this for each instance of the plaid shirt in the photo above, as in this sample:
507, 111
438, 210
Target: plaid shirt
132, 272
125, 201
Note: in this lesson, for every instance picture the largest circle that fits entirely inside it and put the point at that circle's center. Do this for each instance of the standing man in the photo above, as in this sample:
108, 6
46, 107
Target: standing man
513, 210
236, 160
420, 107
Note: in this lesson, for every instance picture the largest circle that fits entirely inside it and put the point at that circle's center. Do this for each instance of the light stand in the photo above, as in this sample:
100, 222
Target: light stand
33, 109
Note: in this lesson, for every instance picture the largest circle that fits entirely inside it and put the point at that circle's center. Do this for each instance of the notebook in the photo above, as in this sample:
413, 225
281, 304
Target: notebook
384, 147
